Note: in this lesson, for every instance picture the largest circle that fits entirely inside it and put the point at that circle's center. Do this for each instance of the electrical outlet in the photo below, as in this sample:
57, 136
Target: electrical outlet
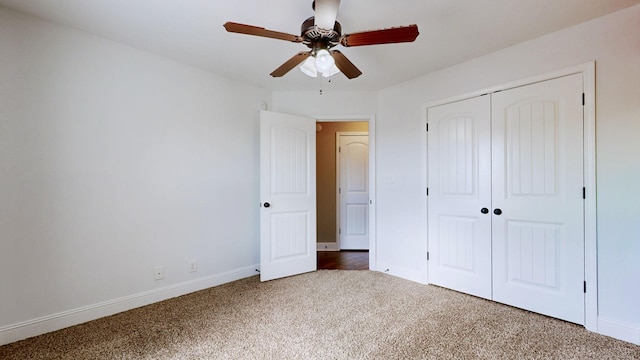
193, 266
158, 272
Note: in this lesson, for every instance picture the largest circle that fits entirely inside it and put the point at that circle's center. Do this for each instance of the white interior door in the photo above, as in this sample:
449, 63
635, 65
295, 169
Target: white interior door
538, 239
353, 190
287, 195
459, 156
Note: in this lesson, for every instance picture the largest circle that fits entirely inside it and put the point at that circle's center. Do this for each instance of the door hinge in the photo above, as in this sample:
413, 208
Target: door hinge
584, 192
427, 191
583, 99
427, 256
339, 148
427, 126
339, 231
585, 287
339, 190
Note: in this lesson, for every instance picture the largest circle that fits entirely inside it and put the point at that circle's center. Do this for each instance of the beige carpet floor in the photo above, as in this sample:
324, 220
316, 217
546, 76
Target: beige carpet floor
328, 314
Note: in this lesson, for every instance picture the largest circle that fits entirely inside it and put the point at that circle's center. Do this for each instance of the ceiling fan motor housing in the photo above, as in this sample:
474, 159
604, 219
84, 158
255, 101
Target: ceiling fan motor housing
317, 38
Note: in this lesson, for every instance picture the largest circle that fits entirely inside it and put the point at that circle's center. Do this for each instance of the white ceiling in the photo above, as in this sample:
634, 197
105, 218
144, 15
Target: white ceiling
190, 31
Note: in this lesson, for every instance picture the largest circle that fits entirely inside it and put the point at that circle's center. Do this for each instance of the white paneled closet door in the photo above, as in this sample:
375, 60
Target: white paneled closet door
505, 205
459, 155
537, 176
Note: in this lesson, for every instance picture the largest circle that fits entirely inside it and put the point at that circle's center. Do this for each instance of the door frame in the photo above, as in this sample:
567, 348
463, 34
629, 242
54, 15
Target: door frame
338, 197
589, 154
371, 119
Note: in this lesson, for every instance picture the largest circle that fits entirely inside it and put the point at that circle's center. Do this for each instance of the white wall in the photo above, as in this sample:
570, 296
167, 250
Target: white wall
113, 161
312, 103
614, 43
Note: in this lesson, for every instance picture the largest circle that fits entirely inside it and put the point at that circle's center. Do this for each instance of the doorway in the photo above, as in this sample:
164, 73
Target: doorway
288, 219
328, 196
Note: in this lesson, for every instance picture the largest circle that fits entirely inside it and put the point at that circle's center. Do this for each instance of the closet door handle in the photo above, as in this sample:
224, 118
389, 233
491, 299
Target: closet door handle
497, 211
484, 210
266, 205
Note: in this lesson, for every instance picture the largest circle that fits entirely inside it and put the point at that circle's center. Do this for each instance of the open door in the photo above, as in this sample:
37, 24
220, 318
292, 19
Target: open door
287, 195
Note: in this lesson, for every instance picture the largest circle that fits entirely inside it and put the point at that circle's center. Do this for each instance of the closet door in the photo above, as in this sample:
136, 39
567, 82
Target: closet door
537, 198
459, 151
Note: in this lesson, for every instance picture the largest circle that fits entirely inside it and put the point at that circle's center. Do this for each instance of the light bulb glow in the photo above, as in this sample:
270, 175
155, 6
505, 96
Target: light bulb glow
334, 70
324, 61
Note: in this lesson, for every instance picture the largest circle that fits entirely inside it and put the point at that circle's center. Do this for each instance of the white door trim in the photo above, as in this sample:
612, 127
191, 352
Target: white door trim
590, 221
371, 119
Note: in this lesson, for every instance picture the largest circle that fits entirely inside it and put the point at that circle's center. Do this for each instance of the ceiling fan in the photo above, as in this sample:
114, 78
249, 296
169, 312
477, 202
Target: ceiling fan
321, 33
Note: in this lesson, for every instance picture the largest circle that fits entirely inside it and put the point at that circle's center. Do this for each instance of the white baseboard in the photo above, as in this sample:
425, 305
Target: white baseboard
53, 322
400, 272
327, 246
621, 331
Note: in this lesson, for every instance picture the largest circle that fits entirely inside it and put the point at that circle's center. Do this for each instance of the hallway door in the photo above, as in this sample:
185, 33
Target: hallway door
353, 190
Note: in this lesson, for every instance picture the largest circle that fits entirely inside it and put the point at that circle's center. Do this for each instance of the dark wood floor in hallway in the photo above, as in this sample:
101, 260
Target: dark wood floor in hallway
343, 260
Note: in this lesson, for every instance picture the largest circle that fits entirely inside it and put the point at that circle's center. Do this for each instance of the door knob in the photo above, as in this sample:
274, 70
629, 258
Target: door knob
266, 205
484, 210
497, 211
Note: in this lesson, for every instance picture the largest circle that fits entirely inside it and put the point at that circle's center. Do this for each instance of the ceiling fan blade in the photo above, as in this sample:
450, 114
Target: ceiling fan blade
326, 13
345, 66
258, 31
291, 63
384, 36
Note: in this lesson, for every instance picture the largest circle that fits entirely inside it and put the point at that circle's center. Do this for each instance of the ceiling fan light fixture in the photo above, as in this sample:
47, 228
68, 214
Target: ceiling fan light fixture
324, 61
334, 70
308, 67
